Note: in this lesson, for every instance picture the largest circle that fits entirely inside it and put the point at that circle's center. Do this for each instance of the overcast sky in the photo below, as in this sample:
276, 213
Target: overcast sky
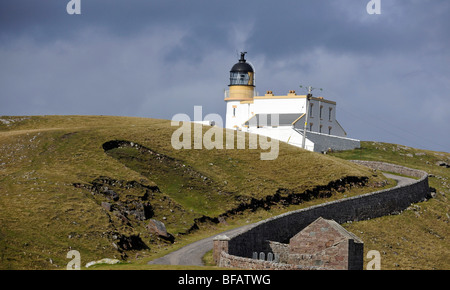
389, 73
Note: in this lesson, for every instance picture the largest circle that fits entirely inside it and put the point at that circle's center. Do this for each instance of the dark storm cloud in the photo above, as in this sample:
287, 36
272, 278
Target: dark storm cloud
160, 58
279, 27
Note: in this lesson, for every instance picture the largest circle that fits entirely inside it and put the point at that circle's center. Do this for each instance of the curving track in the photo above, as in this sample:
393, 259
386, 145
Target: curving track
192, 254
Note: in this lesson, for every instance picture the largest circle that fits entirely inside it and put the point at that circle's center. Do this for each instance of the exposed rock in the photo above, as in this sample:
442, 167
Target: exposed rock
443, 164
141, 210
126, 243
111, 194
106, 206
128, 207
158, 227
222, 220
122, 218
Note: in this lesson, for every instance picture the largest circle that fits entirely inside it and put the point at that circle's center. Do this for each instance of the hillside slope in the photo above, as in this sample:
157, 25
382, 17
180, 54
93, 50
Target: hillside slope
417, 238
104, 185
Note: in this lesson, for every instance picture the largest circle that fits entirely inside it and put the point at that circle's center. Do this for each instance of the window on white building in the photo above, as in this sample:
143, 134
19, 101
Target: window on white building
329, 114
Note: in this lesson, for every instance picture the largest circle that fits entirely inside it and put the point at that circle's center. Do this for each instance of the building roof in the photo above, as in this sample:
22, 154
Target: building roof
334, 225
271, 119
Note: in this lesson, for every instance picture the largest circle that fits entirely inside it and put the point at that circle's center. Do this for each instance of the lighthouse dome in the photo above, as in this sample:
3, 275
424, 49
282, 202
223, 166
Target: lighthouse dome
242, 66
242, 73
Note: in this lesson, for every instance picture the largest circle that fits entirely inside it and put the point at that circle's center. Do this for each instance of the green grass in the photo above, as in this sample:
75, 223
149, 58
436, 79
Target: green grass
418, 237
43, 215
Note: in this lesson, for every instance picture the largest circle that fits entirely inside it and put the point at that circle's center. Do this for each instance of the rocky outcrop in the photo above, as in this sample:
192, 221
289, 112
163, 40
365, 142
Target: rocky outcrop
128, 206
125, 205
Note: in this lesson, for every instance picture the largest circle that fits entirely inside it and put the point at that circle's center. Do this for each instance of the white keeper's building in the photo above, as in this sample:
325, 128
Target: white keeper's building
283, 117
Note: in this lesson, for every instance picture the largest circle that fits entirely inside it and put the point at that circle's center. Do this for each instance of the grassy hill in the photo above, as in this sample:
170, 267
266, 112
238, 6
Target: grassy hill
417, 238
67, 183
95, 183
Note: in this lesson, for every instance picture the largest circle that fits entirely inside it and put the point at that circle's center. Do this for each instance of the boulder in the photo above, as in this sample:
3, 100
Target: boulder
158, 228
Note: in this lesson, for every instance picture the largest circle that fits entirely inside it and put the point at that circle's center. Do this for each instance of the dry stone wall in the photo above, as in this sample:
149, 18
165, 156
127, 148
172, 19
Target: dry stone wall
281, 228
230, 261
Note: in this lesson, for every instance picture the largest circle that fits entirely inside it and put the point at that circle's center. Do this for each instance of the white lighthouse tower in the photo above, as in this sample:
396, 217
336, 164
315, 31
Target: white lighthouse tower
241, 91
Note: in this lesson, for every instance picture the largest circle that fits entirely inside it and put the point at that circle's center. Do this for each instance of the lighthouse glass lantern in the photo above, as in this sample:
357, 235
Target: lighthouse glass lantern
242, 73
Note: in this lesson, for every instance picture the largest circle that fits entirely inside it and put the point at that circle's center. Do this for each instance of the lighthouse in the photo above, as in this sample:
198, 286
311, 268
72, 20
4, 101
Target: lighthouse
304, 121
241, 91
242, 81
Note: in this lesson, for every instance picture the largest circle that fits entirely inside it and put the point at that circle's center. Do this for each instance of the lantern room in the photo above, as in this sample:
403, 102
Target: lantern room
242, 73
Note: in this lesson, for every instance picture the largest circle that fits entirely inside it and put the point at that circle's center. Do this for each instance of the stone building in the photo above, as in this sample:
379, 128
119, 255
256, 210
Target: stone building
323, 244
327, 244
